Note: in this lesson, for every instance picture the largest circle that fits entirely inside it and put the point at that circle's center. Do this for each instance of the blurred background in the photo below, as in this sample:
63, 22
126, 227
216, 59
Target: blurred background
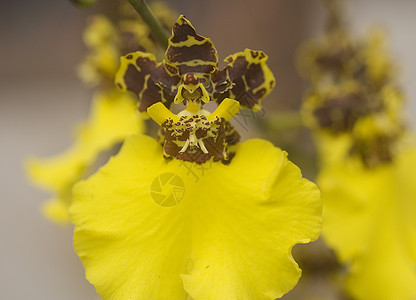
41, 100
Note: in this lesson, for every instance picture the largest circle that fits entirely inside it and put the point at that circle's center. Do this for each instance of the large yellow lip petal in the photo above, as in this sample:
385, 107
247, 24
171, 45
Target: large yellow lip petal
227, 235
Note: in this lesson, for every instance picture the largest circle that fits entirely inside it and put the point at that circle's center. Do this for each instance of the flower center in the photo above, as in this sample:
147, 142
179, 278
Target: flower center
195, 134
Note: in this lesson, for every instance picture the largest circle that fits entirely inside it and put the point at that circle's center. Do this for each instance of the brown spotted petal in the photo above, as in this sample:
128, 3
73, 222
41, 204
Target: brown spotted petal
190, 52
221, 82
250, 77
140, 73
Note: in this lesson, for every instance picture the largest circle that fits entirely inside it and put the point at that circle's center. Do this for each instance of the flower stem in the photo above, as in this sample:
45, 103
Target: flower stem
149, 18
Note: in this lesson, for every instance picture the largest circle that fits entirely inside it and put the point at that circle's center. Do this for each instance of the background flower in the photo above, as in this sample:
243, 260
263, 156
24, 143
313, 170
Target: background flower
355, 112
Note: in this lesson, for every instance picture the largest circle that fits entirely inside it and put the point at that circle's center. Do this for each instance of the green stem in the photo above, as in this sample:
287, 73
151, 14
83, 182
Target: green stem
149, 18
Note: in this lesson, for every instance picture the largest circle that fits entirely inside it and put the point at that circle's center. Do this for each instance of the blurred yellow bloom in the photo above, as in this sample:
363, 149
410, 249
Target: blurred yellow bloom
106, 42
330, 57
356, 113
336, 58
345, 115
374, 52
103, 42
369, 219
113, 117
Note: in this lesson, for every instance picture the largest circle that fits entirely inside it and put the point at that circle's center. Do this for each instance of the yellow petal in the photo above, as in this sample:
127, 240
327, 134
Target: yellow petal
149, 228
159, 113
113, 117
57, 172
332, 149
369, 219
227, 109
56, 210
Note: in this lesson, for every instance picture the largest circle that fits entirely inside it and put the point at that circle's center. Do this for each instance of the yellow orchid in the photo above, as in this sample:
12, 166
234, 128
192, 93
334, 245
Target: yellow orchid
146, 229
366, 162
